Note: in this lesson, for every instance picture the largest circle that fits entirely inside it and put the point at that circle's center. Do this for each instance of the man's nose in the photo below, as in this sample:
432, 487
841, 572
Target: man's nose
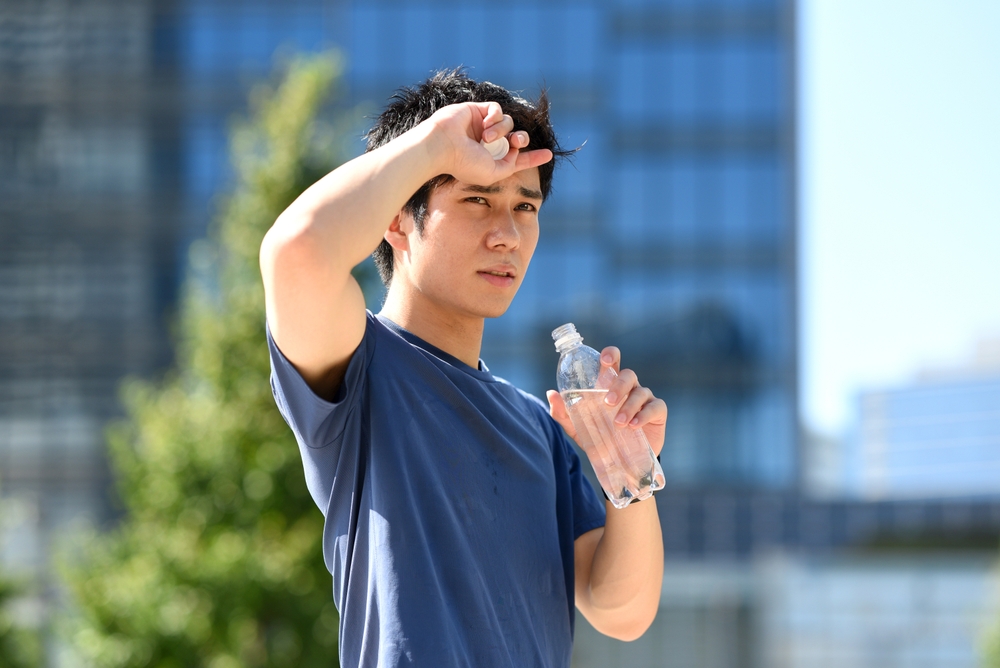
503, 231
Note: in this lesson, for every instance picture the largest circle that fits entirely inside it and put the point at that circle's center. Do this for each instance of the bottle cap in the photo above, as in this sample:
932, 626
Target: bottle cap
498, 148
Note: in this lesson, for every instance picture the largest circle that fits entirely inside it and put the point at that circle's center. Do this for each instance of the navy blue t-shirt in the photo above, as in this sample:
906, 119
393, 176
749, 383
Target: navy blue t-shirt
452, 500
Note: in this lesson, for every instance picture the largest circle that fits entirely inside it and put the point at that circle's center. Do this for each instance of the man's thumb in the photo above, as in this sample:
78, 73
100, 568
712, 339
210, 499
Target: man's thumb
557, 409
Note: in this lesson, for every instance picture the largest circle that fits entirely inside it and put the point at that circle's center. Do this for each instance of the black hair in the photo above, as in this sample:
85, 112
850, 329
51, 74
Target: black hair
410, 106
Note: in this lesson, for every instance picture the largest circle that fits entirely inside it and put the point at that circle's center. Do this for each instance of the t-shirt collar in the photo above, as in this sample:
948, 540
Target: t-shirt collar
483, 372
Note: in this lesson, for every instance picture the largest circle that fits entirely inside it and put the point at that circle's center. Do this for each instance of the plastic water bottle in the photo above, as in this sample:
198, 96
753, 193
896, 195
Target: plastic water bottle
625, 464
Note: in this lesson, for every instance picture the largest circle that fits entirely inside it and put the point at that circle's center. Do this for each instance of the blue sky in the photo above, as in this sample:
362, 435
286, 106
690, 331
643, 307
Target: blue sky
900, 193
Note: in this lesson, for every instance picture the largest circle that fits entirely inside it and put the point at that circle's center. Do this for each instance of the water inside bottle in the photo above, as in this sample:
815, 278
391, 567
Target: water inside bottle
621, 456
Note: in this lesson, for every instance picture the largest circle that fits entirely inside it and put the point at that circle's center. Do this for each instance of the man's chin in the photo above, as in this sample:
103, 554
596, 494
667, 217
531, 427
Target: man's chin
494, 310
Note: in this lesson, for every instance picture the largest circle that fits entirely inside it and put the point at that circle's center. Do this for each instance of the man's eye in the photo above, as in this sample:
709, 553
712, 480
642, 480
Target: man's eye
525, 206
476, 200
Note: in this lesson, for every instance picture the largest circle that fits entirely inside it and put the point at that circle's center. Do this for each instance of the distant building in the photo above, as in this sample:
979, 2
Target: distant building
91, 228
927, 610
861, 611
938, 437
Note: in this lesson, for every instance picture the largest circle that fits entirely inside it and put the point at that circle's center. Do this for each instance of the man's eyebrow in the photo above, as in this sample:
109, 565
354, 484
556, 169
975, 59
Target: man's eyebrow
485, 190
494, 189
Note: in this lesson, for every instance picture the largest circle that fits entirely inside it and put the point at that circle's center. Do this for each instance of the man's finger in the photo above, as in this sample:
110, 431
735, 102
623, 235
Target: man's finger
528, 159
637, 399
500, 127
611, 357
622, 387
653, 413
494, 113
519, 139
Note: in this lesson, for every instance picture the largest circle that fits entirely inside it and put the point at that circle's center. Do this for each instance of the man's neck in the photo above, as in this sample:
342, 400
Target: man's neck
459, 335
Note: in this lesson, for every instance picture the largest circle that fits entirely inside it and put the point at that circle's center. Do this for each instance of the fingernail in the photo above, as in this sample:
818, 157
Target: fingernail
620, 418
524, 138
634, 421
490, 135
606, 358
611, 398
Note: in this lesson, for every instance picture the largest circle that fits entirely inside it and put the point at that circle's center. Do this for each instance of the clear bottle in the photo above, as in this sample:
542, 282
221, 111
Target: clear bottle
622, 459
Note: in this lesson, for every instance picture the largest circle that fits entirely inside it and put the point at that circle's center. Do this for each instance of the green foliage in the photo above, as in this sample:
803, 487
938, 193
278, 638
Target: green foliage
991, 646
20, 646
218, 561
992, 655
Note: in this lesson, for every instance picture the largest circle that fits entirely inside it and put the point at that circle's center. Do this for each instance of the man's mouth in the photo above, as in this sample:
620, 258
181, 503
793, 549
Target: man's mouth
500, 279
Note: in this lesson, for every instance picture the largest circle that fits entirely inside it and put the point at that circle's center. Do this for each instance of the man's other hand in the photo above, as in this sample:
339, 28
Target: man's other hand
636, 405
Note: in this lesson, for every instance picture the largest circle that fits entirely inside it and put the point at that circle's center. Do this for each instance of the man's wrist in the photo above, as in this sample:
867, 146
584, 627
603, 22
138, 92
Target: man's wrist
429, 144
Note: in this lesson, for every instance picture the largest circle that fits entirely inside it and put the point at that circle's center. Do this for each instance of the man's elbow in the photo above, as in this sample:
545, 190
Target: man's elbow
627, 626
290, 246
633, 631
289, 231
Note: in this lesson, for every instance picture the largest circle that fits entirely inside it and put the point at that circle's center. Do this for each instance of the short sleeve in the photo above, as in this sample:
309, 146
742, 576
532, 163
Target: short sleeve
318, 424
578, 507
588, 509
577, 501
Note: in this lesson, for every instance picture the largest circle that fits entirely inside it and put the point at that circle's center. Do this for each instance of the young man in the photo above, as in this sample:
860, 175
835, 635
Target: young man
459, 528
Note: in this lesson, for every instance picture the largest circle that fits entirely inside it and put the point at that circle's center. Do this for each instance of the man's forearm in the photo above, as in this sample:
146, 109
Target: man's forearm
347, 212
627, 571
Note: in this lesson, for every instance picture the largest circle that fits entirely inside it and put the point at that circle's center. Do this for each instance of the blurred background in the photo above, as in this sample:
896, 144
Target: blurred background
786, 214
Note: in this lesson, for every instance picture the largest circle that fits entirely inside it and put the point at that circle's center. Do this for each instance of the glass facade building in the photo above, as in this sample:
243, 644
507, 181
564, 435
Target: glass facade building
863, 611
933, 439
89, 219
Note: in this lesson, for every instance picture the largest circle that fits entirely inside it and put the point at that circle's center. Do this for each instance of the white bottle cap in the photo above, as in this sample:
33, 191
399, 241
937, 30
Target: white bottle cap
498, 148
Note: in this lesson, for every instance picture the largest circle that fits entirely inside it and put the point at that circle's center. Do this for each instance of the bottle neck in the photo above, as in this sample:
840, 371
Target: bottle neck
568, 342
566, 337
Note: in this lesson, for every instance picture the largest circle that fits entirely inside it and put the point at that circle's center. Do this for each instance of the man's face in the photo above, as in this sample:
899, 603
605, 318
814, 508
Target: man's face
476, 245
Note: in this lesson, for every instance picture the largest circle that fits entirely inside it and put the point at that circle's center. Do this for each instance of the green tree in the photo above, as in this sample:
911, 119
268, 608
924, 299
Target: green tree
218, 560
20, 644
991, 646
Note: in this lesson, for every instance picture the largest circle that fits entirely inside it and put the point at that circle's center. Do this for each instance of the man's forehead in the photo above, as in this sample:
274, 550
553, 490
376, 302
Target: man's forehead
526, 183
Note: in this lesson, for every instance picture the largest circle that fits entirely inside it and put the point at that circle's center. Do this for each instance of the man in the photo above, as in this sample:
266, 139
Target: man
459, 528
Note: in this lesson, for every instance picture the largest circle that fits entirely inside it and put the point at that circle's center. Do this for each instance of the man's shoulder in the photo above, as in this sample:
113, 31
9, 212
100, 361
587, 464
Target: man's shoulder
534, 402
531, 405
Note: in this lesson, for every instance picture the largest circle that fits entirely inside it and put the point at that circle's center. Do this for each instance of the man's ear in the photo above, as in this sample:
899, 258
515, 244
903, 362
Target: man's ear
400, 226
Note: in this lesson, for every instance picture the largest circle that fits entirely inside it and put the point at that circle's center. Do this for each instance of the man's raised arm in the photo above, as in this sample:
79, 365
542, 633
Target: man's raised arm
315, 309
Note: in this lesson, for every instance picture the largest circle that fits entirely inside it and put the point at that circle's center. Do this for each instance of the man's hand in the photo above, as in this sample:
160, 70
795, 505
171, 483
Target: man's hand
463, 126
637, 407
619, 567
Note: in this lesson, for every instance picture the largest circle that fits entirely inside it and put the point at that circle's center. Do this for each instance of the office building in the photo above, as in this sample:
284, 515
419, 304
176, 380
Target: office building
89, 249
863, 611
937, 437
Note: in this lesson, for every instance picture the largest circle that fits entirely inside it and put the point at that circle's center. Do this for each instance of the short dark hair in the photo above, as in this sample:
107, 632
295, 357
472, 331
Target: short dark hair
410, 106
